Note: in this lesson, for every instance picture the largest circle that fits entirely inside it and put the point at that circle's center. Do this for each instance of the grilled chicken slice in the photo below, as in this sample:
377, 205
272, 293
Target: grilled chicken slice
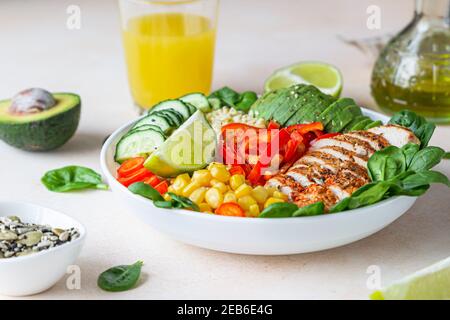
334, 168
395, 135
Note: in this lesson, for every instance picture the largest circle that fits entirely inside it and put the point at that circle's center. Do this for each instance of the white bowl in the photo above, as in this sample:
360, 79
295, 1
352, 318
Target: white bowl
37, 272
256, 236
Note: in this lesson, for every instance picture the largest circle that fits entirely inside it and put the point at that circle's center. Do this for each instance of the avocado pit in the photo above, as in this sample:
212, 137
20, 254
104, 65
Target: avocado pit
32, 100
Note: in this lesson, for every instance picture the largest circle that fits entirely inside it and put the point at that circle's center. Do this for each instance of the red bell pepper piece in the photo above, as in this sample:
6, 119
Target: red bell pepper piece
230, 209
130, 166
137, 176
162, 187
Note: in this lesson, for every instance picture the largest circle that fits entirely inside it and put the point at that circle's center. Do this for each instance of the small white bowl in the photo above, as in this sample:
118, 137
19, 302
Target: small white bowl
256, 236
37, 272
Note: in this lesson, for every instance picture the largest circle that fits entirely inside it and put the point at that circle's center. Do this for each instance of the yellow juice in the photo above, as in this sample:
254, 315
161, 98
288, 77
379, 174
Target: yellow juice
168, 55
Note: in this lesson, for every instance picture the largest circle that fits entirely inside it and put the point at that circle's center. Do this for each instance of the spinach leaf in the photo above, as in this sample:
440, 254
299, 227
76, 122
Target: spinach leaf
386, 164
146, 191
72, 178
120, 278
424, 178
370, 196
228, 97
410, 150
163, 204
314, 209
246, 100
426, 159
417, 124
183, 202
279, 210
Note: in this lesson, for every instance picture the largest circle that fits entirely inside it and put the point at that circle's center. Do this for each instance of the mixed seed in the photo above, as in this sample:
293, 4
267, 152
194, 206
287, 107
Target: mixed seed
18, 238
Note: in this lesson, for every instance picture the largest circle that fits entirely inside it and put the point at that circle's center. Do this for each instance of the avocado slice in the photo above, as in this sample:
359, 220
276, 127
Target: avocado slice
330, 112
361, 125
295, 101
373, 124
353, 122
44, 130
311, 111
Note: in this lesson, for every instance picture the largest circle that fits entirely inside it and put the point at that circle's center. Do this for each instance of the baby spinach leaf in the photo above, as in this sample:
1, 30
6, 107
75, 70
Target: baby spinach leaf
314, 209
163, 204
229, 97
370, 196
72, 178
410, 150
183, 202
446, 155
146, 191
279, 210
424, 178
426, 159
120, 278
422, 129
386, 164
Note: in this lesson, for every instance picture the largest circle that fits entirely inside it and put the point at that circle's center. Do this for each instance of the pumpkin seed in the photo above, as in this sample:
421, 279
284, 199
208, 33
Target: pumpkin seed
7, 235
31, 238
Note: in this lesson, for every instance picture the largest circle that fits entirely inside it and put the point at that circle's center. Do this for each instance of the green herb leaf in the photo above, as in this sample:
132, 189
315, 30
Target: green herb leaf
183, 202
73, 178
417, 124
426, 159
386, 164
246, 100
163, 204
120, 278
410, 150
314, 209
146, 191
226, 95
424, 178
279, 210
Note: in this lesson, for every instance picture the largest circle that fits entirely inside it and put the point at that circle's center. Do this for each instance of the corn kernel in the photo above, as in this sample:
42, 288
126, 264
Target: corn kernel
260, 194
204, 207
191, 187
245, 202
216, 164
171, 189
221, 187
220, 173
253, 211
198, 195
236, 181
214, 198
243, 190
202, 177
229, 197
280, 195
167, 197
271, 190
180, 183
272, 201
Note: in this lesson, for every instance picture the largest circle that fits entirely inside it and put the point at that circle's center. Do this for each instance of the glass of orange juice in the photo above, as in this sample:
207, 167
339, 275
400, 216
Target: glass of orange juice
169, 47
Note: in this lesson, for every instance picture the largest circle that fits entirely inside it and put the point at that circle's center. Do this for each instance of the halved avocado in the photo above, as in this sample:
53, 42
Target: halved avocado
44, 130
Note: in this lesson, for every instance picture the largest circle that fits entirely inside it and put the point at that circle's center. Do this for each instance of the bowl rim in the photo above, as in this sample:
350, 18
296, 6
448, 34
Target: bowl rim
359, 211
42, 253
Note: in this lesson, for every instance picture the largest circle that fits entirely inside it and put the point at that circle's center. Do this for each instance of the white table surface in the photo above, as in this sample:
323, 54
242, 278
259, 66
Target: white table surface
255, 37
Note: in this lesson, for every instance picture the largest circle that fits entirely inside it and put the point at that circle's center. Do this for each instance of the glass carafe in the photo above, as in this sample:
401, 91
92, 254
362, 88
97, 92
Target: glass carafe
413, 70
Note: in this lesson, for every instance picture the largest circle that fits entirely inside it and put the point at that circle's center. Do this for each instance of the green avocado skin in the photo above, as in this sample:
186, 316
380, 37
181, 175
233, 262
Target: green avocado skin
43, 135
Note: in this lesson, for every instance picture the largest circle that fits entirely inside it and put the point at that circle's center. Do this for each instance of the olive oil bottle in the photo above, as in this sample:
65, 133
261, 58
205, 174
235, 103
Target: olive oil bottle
413, 70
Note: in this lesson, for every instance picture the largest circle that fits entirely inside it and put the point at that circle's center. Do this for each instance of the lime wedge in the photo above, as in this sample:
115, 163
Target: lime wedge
322, 75
431, 283
191, 147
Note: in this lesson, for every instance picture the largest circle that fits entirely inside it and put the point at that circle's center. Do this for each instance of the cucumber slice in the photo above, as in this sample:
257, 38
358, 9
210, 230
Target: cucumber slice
169, 119
176, 105
176, 117
192, 109
215, 103
154, 119
146, 127
138, 143
198, 100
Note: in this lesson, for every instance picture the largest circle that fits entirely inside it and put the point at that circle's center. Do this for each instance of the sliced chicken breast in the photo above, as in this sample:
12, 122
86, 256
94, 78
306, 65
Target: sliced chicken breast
395, 135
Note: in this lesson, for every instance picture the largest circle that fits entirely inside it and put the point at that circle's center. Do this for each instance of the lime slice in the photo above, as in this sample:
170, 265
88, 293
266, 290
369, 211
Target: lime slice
431, 283
322, 75
191, 147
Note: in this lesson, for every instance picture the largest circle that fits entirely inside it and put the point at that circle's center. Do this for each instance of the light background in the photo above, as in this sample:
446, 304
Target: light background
255, 37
